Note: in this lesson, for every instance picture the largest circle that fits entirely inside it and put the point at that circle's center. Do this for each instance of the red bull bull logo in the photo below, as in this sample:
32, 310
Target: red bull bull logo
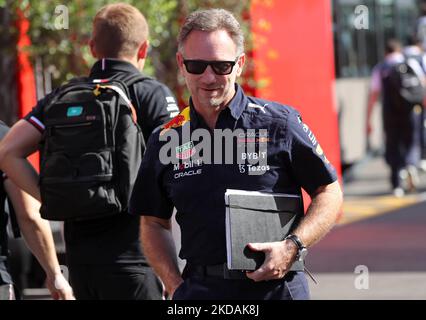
177, 121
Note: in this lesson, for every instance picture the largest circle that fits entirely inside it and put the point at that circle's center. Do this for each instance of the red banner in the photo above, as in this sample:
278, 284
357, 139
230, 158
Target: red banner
294, 65
25, 81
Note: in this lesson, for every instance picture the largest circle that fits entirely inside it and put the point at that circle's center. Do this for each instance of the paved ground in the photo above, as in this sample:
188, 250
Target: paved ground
380, 286
383, 236
378, 250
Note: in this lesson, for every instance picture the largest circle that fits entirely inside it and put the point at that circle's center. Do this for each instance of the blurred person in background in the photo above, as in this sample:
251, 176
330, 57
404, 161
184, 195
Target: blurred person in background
414, 50
401, 118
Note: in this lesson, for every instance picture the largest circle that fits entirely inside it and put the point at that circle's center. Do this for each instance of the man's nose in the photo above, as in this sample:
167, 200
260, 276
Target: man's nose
208, 75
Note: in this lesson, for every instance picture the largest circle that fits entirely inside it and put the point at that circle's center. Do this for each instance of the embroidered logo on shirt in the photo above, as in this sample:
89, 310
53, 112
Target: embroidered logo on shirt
177, 121
172, 107
188, 173
185, 151
187, 165
314, 141
256, 106
320, 152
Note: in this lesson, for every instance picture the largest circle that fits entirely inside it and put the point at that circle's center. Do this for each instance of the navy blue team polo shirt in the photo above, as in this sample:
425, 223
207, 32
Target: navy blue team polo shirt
294, 160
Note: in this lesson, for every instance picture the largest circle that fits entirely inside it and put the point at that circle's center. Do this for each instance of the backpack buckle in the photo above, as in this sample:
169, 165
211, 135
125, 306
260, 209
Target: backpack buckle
97, 90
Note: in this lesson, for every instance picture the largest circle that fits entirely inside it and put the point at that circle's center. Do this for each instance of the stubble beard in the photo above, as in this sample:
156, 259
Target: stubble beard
215, 102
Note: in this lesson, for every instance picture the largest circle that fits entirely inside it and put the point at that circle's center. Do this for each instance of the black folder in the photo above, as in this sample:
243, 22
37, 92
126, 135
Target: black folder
253, 216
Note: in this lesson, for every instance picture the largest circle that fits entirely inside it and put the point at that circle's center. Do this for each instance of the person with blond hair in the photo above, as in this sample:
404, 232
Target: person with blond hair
104, 255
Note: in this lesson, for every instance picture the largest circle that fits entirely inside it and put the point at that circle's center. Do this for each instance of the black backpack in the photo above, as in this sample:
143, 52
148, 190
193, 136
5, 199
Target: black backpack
403, 86
91, 150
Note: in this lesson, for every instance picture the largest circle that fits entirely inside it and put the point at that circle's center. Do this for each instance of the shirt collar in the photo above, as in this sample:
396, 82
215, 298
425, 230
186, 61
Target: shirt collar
235, 107
238, 103
109, 65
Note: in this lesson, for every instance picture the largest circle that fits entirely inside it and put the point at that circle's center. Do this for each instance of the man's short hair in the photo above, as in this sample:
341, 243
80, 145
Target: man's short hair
392, 45
413, 40
118, 30
212, 20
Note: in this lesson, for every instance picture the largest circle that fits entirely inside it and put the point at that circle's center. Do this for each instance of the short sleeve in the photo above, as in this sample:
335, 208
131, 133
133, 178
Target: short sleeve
158, 105
149, 197
376, 80
36, 115
309, 163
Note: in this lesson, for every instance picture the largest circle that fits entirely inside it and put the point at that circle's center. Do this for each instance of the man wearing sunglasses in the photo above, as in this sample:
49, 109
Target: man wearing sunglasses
211, 57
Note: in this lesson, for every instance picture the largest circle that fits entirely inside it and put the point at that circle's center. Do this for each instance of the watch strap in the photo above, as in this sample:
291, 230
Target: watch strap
296, 241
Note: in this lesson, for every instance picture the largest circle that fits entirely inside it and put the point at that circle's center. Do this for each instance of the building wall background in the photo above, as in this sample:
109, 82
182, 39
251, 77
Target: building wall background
356, 50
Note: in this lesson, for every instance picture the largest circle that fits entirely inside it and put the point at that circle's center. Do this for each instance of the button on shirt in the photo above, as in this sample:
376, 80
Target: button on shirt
292, 160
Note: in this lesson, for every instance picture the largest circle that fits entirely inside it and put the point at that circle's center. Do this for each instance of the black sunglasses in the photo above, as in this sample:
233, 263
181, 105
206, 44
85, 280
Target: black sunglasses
221, 68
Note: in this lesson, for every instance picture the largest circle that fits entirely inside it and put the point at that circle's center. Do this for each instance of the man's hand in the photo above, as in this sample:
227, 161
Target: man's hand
279, 257
59, 288
160, 250
171, 290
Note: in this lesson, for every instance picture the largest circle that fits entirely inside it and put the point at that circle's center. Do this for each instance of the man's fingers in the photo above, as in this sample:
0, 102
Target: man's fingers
258, 246
257, 275
262, 275
67, 295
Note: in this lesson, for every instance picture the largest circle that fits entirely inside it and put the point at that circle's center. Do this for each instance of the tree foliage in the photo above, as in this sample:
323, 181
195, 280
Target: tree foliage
65, 50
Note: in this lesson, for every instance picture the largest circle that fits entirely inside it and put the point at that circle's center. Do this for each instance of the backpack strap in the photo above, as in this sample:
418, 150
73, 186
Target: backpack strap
130, 82
58, 92
417, 68
121, 93
134, 78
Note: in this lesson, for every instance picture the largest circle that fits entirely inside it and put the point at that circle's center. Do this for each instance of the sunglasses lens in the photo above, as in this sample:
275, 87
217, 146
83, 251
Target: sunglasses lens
199, 66
195, 67
222, 67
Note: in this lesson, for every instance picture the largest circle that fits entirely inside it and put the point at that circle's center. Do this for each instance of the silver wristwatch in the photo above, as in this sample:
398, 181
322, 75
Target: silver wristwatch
302, 251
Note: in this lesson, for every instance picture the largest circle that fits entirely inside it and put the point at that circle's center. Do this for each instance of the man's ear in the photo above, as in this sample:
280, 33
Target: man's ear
93, 49
179, 60
240, 64
143, 50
